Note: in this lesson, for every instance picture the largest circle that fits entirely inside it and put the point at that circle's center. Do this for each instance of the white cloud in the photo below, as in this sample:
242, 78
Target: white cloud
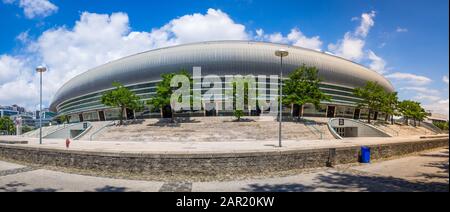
295, 38
352, 45
377, 63
445, 79
215, 25
35, 8
94, 40
367, 22
349, 47
424, 97
409, 78
17, 82
439, 106
399, 29
10, 68
421, 90
299, 39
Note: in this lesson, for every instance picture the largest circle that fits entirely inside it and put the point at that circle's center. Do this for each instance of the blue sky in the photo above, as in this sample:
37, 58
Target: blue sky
407, 41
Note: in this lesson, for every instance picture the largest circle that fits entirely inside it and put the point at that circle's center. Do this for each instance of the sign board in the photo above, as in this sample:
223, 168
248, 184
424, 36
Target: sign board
85, 125
341, 122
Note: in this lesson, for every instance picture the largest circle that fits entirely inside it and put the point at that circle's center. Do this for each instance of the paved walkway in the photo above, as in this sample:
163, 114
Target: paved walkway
423, 172
190, 147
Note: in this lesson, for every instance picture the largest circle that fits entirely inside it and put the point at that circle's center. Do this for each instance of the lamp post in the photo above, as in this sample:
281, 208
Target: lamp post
40, 69
281, 53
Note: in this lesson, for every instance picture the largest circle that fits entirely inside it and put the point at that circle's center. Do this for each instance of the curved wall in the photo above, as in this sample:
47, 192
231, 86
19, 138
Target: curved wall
141, 72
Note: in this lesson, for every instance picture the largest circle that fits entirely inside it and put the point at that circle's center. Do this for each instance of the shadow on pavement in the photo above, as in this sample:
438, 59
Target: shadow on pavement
293, 187
442, 166
18, 187
111, 189
341, 181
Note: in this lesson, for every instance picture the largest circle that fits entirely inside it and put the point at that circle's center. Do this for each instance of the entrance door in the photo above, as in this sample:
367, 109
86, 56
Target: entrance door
296, 110
167, 112
130, 113
331, 111
256, 112
80, 116
357, 112
101, 115
375, 116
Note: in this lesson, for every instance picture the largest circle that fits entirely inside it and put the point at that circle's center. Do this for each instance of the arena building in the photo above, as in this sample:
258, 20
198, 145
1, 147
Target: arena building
80, 97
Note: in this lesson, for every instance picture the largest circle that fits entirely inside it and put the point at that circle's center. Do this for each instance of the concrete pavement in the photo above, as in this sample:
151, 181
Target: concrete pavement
422, 172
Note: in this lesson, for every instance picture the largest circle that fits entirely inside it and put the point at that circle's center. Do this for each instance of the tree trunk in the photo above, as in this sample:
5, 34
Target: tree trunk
122, 110
300, 111
368, 117
392, 120
415, 125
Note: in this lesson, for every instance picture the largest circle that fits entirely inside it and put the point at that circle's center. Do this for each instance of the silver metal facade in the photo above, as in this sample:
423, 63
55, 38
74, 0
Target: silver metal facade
219, 58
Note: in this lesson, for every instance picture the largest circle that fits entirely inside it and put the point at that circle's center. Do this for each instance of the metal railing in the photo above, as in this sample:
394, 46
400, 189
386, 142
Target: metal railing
311, 125
101, 128
385, 129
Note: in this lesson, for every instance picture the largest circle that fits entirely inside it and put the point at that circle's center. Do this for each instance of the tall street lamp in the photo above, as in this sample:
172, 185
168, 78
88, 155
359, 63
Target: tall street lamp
40, 69
281, 53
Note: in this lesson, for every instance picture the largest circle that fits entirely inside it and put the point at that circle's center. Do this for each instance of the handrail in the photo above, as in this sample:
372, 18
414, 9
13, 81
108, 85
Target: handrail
432, 127
59, 127
389, 130
101, 128
63, 128
308, 124
332, 130
84, 131
373, 126
384, 129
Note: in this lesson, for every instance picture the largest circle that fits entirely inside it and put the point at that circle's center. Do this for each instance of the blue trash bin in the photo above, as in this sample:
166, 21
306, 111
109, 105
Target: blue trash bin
365, 154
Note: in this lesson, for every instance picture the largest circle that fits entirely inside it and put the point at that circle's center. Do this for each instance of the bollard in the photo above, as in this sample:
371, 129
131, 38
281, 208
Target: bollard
67, 143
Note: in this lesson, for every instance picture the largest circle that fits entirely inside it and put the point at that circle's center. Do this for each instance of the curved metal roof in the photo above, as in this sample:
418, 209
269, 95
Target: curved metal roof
220, 58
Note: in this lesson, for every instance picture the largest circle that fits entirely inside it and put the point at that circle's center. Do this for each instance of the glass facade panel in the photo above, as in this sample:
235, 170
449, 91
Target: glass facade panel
145, 91
311, 110
112, 114
91, 116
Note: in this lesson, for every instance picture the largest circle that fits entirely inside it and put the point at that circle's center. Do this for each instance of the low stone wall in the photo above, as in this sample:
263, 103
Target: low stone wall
210, 164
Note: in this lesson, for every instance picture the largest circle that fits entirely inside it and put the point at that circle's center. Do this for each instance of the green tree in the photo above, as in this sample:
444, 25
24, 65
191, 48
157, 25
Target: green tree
442, 125
6, 124
420, 115
164, 92
373, 97
412, 110
302, 86
390, 105
26, 129
63, 119
122, 98
238, 113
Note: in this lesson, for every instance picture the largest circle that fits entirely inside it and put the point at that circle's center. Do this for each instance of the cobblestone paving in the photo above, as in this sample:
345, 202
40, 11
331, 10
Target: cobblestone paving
15, 171
176, 187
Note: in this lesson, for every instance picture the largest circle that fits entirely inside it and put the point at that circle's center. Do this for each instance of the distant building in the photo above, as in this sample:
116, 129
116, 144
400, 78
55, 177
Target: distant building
47, 117
436, 118
8, 113
26, 119
11, 110
18, 109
